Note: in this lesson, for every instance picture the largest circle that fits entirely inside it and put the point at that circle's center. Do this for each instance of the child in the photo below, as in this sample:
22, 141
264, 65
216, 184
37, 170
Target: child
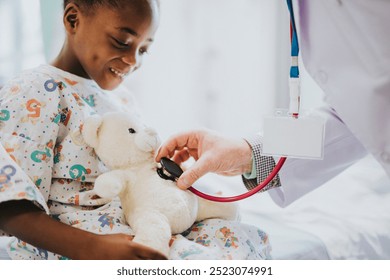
47, 201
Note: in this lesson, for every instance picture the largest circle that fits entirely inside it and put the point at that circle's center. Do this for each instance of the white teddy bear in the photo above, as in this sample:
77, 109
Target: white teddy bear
155, 208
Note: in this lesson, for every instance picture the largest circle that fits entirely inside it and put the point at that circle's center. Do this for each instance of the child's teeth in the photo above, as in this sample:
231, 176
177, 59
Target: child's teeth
117, 72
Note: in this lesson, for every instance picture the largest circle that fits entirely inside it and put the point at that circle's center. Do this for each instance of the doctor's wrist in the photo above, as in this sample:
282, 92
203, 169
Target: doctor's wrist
247, 157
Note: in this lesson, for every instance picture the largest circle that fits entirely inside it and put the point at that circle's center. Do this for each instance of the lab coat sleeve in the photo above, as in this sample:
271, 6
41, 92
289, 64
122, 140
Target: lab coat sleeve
301, 176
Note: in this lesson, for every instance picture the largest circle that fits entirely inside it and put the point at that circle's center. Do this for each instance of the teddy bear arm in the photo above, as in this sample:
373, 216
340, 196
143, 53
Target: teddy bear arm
110, 184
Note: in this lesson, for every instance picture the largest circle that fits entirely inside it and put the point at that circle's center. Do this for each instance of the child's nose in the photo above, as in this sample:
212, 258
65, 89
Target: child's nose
132, 59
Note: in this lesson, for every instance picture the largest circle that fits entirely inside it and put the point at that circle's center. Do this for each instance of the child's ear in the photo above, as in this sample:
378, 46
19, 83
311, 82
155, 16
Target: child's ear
71, 17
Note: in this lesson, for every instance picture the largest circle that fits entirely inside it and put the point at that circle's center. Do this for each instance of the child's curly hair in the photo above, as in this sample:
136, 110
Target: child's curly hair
93, 3
90, 4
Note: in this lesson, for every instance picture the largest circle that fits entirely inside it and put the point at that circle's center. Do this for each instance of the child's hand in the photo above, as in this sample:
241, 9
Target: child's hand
118, 247
29, 223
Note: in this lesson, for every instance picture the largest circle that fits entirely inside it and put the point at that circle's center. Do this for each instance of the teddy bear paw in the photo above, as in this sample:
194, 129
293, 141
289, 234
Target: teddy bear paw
105, 187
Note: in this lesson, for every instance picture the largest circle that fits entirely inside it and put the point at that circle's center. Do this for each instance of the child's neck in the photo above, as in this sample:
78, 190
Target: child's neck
67, 61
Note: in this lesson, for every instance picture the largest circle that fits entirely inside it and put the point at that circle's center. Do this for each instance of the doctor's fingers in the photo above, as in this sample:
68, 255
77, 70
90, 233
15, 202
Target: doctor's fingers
201, 167
178, 142
183, 155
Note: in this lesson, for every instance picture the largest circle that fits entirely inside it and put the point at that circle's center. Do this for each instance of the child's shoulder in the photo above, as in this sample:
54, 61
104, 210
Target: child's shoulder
33, 77
43, 77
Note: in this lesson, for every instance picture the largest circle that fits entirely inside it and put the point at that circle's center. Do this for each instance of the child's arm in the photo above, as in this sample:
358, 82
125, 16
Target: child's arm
32, 225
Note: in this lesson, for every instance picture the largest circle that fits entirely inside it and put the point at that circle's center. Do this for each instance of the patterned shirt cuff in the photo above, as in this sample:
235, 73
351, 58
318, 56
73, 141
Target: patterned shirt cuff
264, 166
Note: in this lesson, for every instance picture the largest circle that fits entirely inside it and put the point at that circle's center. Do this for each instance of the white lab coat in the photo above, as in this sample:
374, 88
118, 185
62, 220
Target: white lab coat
345, 46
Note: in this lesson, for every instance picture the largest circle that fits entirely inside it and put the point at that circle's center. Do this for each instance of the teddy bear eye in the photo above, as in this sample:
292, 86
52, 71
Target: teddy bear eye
131, 130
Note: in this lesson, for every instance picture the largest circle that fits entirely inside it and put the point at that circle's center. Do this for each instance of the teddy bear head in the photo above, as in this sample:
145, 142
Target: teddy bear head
120, 139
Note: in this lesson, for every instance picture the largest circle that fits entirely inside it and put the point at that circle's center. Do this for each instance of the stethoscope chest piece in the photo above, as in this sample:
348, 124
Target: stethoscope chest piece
169, 170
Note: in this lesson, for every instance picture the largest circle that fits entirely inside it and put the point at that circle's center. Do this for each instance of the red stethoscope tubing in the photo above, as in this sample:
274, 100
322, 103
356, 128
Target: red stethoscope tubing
258, 188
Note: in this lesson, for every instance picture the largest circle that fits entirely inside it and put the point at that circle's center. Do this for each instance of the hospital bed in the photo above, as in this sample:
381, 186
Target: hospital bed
347, 218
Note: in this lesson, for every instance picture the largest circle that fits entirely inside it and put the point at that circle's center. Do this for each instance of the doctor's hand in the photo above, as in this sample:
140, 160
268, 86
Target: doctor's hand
212, 153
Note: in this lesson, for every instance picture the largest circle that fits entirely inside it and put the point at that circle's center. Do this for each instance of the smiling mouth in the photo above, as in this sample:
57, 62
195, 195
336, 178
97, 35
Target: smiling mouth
118, 73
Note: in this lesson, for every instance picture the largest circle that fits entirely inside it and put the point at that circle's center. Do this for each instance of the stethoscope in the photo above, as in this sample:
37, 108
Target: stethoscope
169, 170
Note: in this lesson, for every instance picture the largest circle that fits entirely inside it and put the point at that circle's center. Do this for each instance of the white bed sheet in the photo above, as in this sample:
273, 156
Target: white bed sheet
3, 245
347, 218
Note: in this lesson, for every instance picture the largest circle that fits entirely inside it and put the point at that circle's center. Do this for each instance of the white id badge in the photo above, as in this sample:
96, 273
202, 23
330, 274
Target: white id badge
285, 136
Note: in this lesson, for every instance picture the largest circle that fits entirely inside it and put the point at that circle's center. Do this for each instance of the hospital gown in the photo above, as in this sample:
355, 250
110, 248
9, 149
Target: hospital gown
44, 159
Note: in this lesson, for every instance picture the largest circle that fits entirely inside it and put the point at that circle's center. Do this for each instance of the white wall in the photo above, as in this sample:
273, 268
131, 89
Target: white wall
220, 64
21, 44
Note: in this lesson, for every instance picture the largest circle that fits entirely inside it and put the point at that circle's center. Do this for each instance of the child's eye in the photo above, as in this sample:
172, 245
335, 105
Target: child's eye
119, 44
131, 130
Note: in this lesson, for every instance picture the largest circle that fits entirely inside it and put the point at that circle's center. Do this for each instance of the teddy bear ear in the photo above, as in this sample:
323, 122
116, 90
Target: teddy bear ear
90, 130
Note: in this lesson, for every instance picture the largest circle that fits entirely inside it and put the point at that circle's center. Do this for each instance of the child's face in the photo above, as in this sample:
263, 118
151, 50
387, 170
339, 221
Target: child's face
108, 44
